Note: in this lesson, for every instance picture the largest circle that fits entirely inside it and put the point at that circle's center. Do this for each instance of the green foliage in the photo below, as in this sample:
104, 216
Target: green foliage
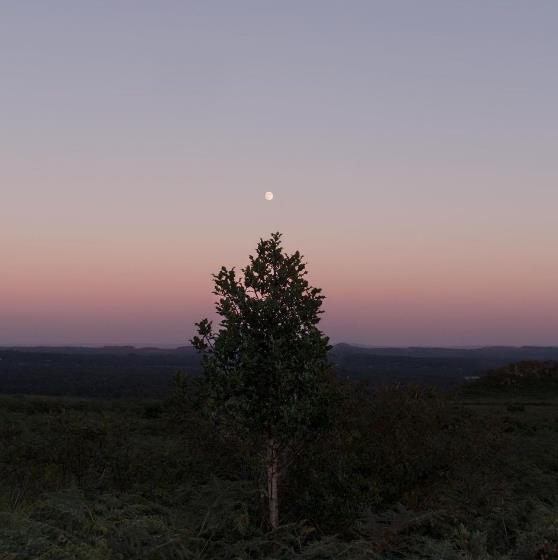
396, 446
403, 473
266, 367
520, 377
214, 521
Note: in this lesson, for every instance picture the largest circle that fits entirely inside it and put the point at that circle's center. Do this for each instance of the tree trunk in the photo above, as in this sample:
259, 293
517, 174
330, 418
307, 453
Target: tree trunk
272, 479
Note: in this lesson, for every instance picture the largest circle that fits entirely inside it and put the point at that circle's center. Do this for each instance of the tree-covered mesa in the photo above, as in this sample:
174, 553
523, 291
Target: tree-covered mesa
267, 375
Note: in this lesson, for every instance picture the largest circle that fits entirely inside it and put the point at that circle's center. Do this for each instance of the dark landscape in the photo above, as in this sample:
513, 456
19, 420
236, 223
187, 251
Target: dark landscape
106, 453
127, 371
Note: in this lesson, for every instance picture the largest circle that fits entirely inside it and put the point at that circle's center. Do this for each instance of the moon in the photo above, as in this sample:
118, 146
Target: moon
269, 195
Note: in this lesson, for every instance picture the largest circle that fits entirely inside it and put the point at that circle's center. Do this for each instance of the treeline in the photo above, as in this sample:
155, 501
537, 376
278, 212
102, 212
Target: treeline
523, 375
102, 373
128, 372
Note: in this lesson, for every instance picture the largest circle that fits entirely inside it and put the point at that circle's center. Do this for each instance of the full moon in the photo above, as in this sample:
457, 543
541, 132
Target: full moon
269, 196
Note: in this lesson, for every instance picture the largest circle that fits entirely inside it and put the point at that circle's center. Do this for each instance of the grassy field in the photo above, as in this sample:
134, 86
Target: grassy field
405, 473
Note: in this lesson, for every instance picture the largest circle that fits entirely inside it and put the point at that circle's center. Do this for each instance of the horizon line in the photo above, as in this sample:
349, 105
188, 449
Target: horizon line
176, 346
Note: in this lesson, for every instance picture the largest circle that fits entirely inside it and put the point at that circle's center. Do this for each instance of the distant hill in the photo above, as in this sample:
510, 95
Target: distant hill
100, 372
127, 371
443, 367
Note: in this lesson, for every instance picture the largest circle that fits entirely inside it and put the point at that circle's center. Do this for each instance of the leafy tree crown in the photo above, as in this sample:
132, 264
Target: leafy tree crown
266, 366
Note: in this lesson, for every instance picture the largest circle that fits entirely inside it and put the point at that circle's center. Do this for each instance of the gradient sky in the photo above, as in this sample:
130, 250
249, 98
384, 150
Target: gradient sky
412, 148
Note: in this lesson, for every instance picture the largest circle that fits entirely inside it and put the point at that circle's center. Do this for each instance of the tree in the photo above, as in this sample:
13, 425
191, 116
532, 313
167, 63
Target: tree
266, 370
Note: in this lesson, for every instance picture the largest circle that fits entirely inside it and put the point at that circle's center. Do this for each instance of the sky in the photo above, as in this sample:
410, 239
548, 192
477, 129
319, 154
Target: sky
411, 147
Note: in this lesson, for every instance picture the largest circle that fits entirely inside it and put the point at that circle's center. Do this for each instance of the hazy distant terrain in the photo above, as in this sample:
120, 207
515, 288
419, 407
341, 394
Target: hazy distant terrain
126, 371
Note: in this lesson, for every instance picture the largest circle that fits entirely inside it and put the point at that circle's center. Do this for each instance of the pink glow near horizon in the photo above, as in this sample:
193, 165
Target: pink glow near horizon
412, 157
375, 297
